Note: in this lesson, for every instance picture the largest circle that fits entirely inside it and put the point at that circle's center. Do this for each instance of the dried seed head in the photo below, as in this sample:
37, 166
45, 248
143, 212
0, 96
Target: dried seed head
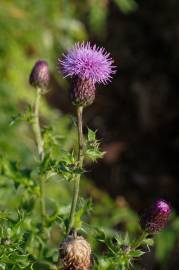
75, 253
156, 218
39, 76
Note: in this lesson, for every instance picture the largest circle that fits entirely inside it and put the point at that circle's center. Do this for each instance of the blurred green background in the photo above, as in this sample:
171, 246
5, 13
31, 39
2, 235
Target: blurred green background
136, 116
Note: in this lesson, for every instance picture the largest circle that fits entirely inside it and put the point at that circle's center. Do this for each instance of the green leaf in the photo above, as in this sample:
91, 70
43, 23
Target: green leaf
27, 116
92, 146
136, 253
91, 135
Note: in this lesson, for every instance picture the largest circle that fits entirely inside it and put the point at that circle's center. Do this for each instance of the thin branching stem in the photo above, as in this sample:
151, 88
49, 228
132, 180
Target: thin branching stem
80, 162
138, 242
40, 147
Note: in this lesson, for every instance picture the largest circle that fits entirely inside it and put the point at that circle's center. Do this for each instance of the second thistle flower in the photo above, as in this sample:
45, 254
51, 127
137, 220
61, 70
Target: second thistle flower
87, 65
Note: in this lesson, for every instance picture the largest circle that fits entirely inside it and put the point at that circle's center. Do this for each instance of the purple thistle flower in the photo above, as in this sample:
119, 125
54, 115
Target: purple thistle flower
88, 62
87, 65
156, 218
39, 76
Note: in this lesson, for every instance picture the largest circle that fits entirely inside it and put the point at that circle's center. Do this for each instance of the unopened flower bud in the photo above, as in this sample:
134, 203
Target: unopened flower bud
156, 218
75, 253
39, 76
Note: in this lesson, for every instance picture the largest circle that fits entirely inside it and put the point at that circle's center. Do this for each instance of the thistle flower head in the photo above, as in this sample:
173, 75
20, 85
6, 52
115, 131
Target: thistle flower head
155, 219
87, 65
88, 62
39, 76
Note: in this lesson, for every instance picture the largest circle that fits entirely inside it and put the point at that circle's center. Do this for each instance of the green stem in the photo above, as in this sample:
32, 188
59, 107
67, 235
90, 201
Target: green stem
42, 199
80, 162
40, 147
37, 129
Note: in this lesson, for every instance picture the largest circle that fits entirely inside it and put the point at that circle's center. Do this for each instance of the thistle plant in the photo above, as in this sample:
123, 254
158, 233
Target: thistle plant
39, 79
122, 250
87, 65
26, 233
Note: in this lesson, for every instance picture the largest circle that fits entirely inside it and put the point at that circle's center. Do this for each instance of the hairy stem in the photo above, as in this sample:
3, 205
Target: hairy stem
37, 129
42, 199
40, 147
80, 161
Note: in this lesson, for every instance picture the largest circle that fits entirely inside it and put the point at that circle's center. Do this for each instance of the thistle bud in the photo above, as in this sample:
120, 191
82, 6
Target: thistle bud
75, 253
39, 76
156, 218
